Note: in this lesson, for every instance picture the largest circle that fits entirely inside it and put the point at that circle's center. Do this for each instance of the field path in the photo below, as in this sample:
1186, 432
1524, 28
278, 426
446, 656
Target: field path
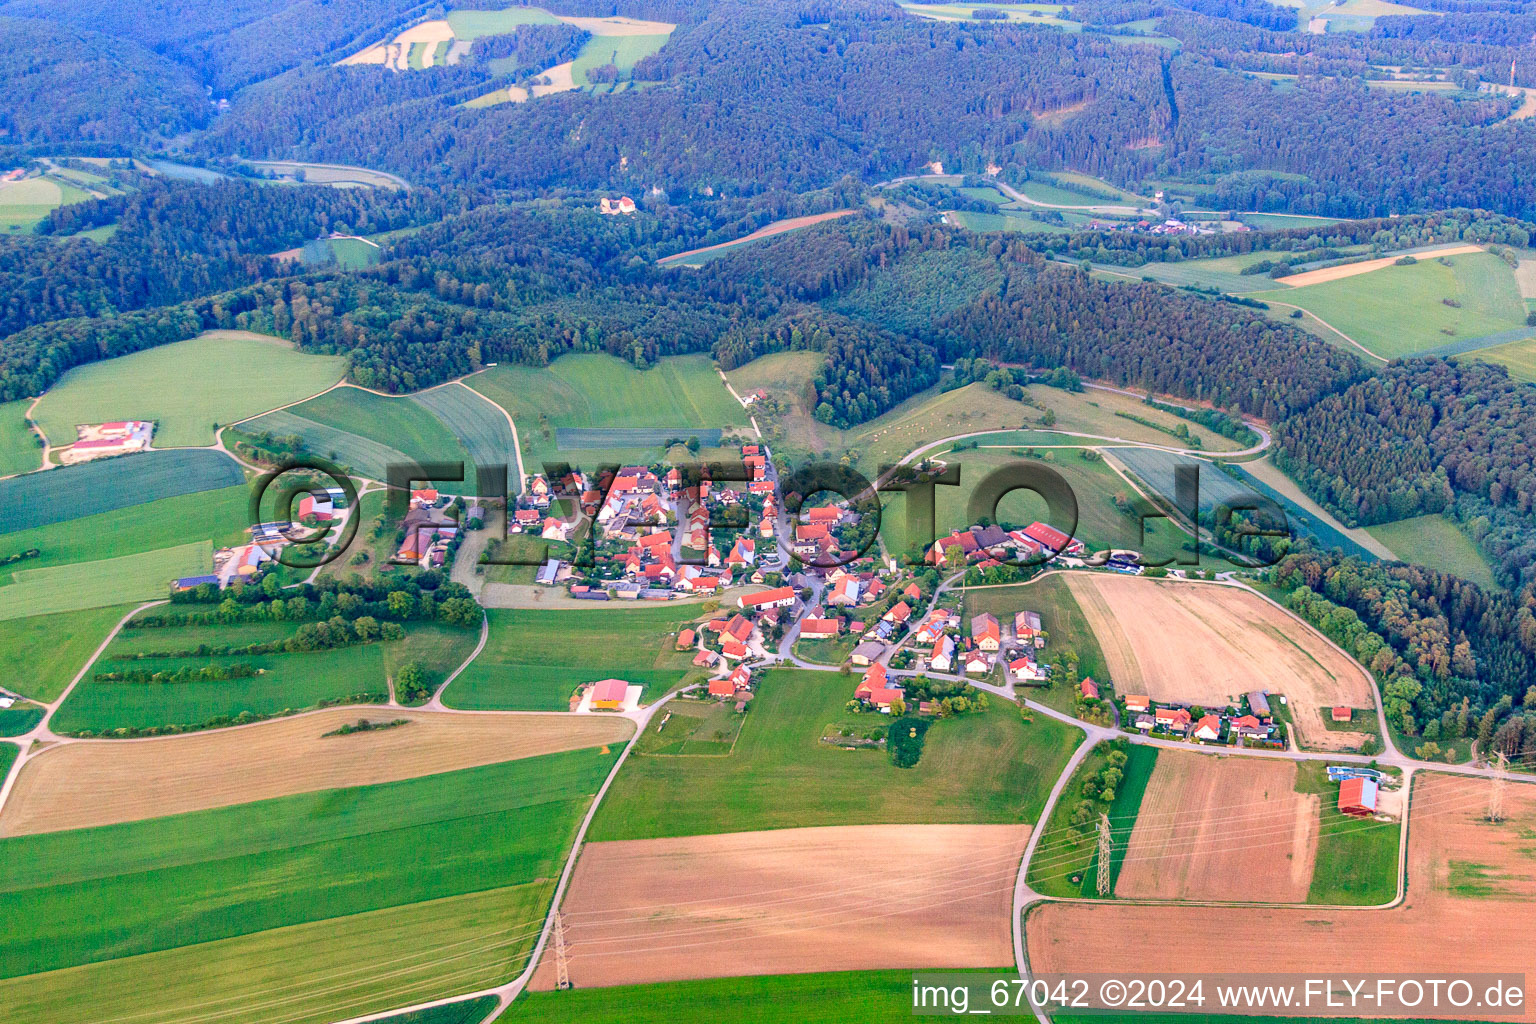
778, 227
737, 396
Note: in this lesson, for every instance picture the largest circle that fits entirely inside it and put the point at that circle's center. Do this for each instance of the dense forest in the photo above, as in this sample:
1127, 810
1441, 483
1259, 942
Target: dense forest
90, 88
1453, 659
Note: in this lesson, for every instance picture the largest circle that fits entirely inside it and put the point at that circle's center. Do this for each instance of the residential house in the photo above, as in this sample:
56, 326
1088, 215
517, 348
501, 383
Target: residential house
685, 639
1250, 727
899, 613
874, 689
1175, 719
1025, 669
986, 632
732, 649
1208, 728
943, 657
824, 515
977, 663
1137, 702
1026, 626
1089, 688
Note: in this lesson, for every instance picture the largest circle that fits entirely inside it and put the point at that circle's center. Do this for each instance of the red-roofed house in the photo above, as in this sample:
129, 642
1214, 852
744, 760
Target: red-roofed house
899, 613
1208, 728
873, 688
740, 627
1089, 688
825, 514
778, 597
704, 658
733, 650
1172, 718
1342, 714
819, 629
608, 694
986, 631
685, 639
722, 688
1137, 702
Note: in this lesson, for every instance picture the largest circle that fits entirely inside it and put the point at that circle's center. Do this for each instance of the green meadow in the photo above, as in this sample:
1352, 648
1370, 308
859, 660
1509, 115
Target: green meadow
285, 682
1065, 863
624, 52
1397, 311
835, 998
91, 488
97, 584
1438, 543
40, 654
470, 1011
478, 423
313, 973
367, 433
20, 451
474, 24
593, 390
1518, 357
978, 768
534, 660
87, 895
217, 515
1356, 858
220, 377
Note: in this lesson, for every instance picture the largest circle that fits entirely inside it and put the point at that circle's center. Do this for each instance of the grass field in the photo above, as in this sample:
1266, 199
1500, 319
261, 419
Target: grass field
219, 516
287, 681
353, 253
478, 424
74, 492
1519, 357
1065, 863
835, 998
8, 754
975, 769
474, 24
1220, 272
470, 1011
20, 451
622, 51
305, 974
1397, 311
592, 390
24, 203
1045, 190
1356, 859
1437, 542
99, 584
40, 654
275, 863
368, 433
17, 720
534, 660
221, 377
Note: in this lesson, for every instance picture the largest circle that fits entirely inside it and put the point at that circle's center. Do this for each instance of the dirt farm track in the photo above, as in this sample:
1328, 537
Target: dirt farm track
790, 901
103, 782
1196, 643
1183, 844
1468, 909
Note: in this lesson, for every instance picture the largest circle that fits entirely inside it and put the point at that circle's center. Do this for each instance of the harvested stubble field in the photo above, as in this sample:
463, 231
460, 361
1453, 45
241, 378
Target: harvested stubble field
778, 227
1207, 822
85, 784
789, 900
1194, 643
1467, 910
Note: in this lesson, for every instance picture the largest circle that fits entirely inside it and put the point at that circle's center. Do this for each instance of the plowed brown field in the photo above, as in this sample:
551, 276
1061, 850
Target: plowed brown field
1470, 889
790, 901
1221, 829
